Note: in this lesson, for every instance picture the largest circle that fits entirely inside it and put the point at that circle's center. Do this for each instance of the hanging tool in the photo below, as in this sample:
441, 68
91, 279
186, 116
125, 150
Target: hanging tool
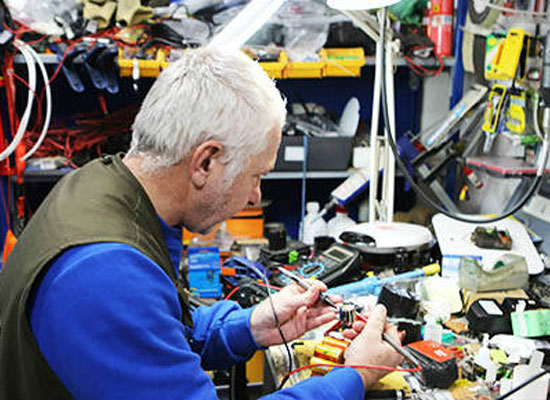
491, 123
505, 63
515, 115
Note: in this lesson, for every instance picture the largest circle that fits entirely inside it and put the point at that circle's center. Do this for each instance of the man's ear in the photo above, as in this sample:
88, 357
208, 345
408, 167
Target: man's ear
202, 161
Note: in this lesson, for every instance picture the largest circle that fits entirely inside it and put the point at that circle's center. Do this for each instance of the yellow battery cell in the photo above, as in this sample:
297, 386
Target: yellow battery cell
331, 341
327, 352
318, 369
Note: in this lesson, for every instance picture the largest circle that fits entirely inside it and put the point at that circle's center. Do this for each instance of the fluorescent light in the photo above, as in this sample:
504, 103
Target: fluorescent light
360, 4
246, 23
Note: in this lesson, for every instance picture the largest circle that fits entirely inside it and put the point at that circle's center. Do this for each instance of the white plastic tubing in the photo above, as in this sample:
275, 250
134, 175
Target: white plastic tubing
30, 57
47, 119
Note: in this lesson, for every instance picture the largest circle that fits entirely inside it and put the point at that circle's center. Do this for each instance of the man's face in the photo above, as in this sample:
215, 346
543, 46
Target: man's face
222, 201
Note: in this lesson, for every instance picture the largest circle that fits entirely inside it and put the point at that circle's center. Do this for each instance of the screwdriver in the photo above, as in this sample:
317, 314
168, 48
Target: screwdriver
324, 297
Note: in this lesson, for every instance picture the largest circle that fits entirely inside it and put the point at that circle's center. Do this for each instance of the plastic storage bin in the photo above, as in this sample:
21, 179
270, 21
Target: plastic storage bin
275, 69
324, 154
305, 69
344, 62
147, 68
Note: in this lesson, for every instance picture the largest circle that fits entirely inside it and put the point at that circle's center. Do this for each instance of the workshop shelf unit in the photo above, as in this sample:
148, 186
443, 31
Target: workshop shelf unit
332, 90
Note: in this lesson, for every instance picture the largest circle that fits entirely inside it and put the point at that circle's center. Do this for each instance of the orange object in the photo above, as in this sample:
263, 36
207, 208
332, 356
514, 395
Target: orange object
9, 243
432, 350
248, 223
329, 351
228, 271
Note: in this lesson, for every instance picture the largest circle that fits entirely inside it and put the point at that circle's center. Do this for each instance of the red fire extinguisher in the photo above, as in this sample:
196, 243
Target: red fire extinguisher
440, 26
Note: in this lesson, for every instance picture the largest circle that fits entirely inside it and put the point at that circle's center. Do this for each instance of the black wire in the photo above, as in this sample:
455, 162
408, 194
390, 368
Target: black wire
287, 347
277, 322
522, 385
403, 168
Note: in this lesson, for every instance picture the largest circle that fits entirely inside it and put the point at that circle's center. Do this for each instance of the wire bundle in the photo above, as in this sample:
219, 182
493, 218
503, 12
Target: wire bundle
88, 136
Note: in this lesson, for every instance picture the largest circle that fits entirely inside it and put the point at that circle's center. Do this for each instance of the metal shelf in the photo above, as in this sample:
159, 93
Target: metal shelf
281, 175
430, 62
36, 175
369, 60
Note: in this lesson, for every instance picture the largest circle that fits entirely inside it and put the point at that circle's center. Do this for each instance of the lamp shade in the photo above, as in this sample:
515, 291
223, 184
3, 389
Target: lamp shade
360, 4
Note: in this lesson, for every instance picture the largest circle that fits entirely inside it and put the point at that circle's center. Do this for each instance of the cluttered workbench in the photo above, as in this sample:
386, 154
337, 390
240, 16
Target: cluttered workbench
475, 329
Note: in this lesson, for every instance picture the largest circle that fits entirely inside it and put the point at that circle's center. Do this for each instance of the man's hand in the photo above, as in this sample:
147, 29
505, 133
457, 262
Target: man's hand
298, 311
368, 348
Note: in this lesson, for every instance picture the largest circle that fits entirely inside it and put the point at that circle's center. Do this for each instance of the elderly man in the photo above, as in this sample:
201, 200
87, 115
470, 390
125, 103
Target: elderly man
90, 303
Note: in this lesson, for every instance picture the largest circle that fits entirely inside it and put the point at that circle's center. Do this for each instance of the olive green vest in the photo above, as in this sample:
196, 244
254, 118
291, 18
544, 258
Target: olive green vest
101, 202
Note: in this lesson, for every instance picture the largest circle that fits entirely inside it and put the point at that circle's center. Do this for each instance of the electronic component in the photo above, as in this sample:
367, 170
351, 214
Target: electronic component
491, 238
386, 395
336, 265
281, 256
399, 302
275, 233
347, 315
439, 368
250, 292
412, 329
487, 315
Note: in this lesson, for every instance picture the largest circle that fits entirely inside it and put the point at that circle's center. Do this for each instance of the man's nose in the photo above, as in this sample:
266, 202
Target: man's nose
255, 197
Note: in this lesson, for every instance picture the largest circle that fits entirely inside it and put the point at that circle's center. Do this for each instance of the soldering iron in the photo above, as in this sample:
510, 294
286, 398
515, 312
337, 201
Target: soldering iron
324, 297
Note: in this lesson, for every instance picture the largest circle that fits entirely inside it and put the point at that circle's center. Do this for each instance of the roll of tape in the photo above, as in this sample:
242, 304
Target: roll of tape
473, 51
479, 59
468, 51
481, 14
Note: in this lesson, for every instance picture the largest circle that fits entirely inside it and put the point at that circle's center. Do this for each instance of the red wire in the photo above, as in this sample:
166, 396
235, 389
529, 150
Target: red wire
231, 293
44, 37
10, 90
419, 69
377, 367
38, 103
269, 286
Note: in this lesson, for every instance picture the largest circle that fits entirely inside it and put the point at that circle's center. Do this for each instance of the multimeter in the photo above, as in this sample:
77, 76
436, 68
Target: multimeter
336, 265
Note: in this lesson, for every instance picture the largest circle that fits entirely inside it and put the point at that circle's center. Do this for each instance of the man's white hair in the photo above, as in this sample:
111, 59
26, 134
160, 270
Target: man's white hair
208, 94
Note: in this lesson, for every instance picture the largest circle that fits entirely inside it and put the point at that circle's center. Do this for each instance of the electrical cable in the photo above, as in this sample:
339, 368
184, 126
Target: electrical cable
275, 317
47, 120
377, 367
536, 120
522, 385
417, 189
304, 182
31, 68
232, 292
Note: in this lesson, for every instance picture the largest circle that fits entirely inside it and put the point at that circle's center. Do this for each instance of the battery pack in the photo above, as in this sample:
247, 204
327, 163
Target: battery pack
439, 368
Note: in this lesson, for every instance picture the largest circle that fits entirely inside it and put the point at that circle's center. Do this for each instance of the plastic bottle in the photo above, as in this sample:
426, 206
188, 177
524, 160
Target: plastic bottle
313, 226
339, 223
432, 331
223, 238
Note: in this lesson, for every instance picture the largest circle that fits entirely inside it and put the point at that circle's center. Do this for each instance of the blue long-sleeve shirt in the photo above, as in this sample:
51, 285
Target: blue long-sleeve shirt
108, 321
